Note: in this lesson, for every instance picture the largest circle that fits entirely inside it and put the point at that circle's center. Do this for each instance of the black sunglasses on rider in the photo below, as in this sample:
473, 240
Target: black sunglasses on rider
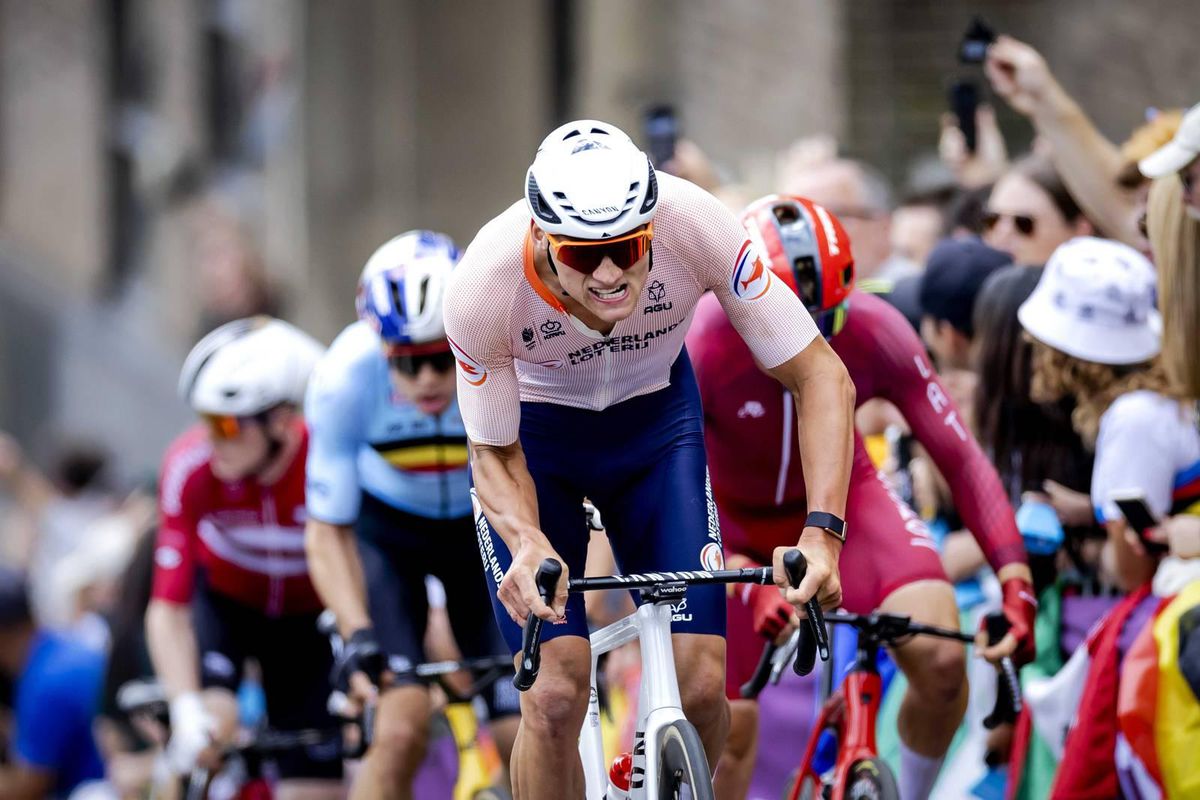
410, 364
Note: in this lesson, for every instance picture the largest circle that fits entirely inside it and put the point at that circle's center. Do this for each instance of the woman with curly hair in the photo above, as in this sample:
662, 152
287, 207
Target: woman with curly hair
1096, 337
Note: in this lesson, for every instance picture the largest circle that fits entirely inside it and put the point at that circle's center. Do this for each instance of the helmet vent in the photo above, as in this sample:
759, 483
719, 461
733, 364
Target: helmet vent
397, 300
424, 293
786, 214
538, 203
652, 191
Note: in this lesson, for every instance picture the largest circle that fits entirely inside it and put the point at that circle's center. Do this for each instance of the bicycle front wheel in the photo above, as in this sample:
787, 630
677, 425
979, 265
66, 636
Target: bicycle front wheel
871, 779
682, 766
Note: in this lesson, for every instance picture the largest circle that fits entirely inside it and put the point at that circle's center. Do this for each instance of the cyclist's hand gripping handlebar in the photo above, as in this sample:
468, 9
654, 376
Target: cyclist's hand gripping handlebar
813, 636
1008, 691
546, 579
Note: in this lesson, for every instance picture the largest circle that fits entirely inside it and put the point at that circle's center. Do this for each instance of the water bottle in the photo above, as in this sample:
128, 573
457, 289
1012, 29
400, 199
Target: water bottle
1040, 527
619, 777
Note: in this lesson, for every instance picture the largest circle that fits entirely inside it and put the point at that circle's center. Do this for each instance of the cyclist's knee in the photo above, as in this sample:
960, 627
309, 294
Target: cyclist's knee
702, 681
555, 706
941, 672
402, 729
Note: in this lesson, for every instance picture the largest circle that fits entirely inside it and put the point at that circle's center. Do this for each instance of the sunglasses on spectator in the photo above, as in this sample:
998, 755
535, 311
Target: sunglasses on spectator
1023, 223
409, 359
586, 255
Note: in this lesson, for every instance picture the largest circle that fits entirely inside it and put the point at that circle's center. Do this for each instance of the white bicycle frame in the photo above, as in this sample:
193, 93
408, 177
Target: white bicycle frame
658, 700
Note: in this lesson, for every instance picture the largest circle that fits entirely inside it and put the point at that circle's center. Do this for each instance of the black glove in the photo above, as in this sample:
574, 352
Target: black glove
361, 653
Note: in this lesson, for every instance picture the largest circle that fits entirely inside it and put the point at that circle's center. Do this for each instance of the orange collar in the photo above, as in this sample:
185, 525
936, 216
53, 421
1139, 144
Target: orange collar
534, 279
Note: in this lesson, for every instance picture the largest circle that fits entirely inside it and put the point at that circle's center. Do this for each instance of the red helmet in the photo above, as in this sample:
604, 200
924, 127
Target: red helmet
806, 246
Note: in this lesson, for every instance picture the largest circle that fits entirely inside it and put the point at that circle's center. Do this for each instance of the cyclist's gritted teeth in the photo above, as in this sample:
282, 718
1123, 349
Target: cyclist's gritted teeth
614, 295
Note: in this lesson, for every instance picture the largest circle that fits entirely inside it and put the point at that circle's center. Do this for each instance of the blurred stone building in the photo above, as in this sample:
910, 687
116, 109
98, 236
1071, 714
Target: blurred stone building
166, 163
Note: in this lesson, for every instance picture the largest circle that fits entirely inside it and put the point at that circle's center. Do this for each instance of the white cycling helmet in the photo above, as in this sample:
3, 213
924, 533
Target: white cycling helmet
401, 287
248, 366
590, 181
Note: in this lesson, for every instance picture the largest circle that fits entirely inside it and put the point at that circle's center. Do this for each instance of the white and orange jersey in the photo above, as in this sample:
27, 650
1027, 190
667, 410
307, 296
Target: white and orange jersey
515, 341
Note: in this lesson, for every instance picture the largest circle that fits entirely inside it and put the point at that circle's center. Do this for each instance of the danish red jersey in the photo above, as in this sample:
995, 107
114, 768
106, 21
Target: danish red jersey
247, 538
753, 450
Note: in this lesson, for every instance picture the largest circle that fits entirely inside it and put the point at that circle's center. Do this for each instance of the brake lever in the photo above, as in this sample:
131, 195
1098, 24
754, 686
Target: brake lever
783, 656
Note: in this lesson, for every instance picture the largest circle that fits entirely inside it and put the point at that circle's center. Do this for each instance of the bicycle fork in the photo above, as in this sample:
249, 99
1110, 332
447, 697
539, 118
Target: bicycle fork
862, 691
658, 698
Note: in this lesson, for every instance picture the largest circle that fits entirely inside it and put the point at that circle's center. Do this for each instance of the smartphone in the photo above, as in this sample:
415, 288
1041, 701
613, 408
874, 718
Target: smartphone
661, 128
964, 101
973, 47
1132, 503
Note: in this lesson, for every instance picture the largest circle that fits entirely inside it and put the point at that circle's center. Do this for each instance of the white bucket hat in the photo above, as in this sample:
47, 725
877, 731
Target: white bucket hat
1095, 302
1177, 153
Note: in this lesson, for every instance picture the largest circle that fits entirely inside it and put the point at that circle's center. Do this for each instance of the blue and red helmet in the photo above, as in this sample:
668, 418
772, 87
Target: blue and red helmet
402, 285
807, 247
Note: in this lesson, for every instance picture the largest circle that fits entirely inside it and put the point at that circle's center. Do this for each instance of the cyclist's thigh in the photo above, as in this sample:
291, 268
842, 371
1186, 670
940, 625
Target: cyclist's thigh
296, 661
667, 521
560, 514
767, 531
391, 548
467, 604
887, 545
221, 635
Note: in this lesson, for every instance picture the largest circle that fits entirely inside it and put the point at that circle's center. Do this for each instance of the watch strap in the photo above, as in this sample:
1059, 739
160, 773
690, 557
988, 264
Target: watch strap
835, 525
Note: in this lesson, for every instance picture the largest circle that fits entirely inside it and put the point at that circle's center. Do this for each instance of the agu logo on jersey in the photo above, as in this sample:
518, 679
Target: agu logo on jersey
471, 370
711, 557
751, 278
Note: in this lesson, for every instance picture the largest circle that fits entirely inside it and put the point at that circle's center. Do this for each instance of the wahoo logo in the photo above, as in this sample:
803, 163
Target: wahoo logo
471, 370
751, 279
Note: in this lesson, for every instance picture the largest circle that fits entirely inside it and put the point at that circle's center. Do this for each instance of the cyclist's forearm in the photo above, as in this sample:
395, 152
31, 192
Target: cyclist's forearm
171, 640
337, 574
506, 491
824, 397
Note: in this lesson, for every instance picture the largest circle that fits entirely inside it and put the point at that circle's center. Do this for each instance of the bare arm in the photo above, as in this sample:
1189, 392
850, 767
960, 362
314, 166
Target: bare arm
1087, 162
337, 574
505, 490
171, 640
824, 396
1132, 565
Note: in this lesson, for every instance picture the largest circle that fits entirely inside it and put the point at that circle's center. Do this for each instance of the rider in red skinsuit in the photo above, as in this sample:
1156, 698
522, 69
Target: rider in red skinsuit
888, 561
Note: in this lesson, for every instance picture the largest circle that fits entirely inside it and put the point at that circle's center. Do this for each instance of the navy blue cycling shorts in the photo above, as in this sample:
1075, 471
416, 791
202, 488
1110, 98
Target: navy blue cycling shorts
642, 463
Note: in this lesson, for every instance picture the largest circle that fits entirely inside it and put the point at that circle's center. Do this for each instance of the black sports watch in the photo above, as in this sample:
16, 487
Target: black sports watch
834, 525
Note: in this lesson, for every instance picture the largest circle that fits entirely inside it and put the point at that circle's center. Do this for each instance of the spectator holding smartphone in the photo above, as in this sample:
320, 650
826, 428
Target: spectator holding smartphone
1095, 334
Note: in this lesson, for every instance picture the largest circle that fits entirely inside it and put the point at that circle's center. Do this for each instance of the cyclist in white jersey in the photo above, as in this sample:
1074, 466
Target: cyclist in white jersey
567, 315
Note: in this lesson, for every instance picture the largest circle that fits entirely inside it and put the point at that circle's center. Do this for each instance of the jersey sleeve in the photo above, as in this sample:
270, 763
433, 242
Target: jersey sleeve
911, 384
175, 548
1133, 452
477, 327
765, 311
334, 414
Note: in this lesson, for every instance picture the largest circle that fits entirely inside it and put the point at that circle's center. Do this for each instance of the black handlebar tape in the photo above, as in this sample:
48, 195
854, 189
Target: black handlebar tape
813, 637
762, 673
1008, 688
531, 638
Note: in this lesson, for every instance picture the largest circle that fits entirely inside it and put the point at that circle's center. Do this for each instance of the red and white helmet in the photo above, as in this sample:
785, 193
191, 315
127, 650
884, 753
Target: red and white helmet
806, 246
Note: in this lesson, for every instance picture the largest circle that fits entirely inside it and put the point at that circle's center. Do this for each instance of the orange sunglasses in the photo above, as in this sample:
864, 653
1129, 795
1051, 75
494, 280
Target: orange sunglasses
586, 255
